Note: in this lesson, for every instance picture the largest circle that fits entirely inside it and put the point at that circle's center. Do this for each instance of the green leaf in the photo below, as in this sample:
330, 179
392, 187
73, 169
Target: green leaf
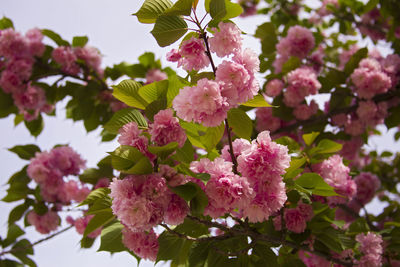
14, 231
310, 138
181, 7
328, 146
172, 248
212, 136
291, 144
96, 194
295, 164
163, 151
198, 254
55, 37
199, 202
6, 23
175, 83
80, 41
87, 242
370, 5
100, 219
151, 10
185, 154
192, 228
354, 60
224, 9
18, 186
240, 122
6, 104
130, 160
92, 175
147, 59
25, 151
154, 107
291, 64
127, 92
35, 127
153, 91
186, 191
168, 30
331, 241
124, 116
111, 238
267, 33
257, 102
316, 184
19, 211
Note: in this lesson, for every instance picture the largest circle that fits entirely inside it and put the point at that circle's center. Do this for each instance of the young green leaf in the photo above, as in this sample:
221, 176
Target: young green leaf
240, 122
168, 29
25, 151
124, 116
127, 92
151, 10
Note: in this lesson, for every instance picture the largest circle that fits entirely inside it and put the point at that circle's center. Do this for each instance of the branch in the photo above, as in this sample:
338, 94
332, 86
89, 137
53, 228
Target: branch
35, 243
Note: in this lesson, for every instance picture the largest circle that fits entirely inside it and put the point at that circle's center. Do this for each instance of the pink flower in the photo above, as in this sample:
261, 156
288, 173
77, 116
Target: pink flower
166, 129
227, 40
345, 56
155, 75
354, 127
10, 82
304, 111
266, 121
301, 83
371, 247
298, 42
13, 45
176, 211
67, 160
264, 160
311, 260
44, 224
193, 55
81, 224
367, 185
139, 202
369, 79
103, 182
336, 174
173, 55
130, 135
145, 245
237, 85
41, 168
66, 57
269, 197
76, 192
238, 146
91, 56
249, 59
295, 221
202, 103
274, 87
21, 67
35, 38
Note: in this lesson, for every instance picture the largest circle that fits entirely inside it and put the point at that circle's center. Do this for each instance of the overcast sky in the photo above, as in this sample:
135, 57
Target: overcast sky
119, 37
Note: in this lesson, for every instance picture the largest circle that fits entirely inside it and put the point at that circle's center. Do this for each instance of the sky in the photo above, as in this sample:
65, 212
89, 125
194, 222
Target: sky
120, 37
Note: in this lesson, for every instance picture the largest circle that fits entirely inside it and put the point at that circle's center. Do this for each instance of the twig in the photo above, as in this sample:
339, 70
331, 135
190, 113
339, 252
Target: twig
35, 243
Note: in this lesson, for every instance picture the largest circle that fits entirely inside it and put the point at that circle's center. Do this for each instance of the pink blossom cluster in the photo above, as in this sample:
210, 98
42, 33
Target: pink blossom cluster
274, 87
166, 129
225, 190
130, 135
249, 7
259, 192
312, 260
81, 223
141, 202
235, 82
265, 120
371, 248
298, 42
18, 56
304, 111
336, 174
367, 184
345, 56
374, 25
143, 244
302, 82
191, 55
67, 57
48, 169
45, 223
369, 79
295, 218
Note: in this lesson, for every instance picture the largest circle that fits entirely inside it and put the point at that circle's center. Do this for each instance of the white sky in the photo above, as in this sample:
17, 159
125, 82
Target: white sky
119, 37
